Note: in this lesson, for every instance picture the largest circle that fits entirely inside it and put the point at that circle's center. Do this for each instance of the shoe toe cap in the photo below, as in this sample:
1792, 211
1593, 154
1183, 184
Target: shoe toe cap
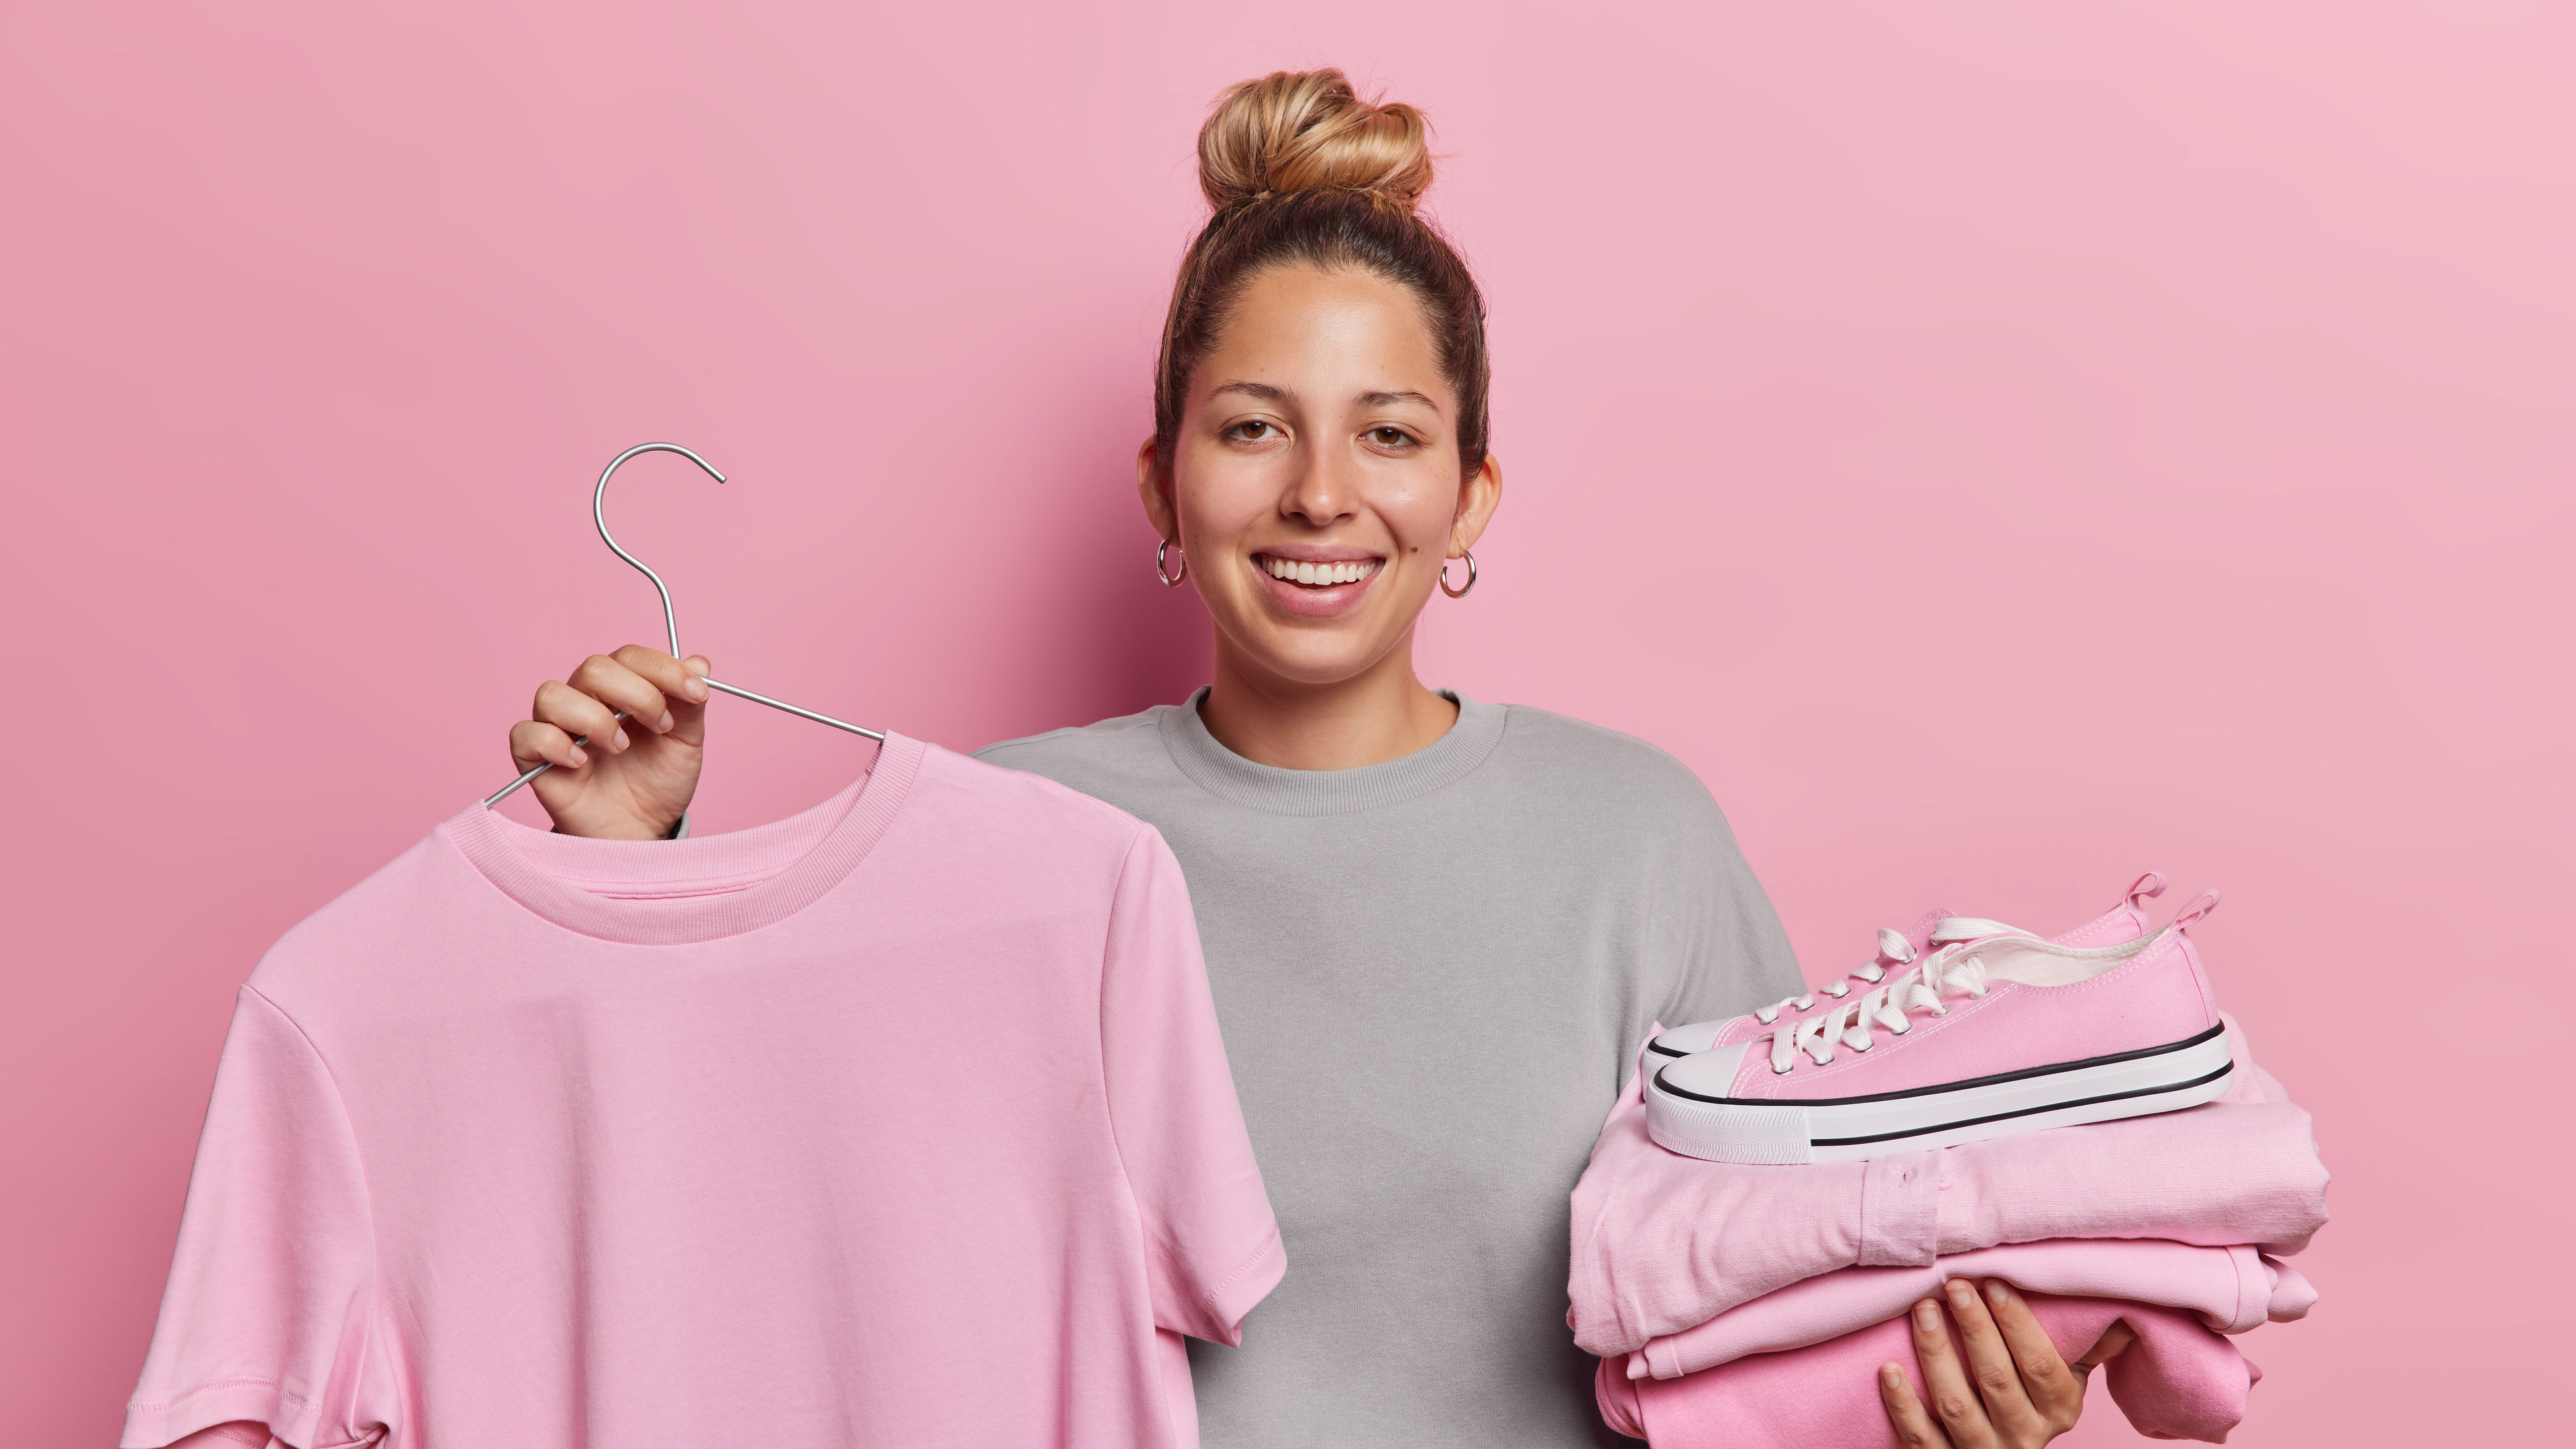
1699, 1036
1710, 1073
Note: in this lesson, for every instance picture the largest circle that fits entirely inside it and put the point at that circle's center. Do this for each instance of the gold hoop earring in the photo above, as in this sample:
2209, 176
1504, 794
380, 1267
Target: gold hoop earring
1170, 581
1459, 592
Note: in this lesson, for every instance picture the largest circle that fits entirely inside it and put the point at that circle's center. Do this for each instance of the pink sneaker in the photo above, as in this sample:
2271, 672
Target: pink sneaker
1982, 1038
1897, 950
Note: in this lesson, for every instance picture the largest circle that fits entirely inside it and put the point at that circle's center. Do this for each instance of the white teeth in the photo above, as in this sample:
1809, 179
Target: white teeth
1324, 574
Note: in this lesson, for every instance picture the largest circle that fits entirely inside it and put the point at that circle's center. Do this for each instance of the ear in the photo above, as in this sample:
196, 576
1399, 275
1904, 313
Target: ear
1154, 490
1478, 497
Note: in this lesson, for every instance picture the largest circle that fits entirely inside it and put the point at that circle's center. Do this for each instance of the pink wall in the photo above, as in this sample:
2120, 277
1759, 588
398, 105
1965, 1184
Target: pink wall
2000, 450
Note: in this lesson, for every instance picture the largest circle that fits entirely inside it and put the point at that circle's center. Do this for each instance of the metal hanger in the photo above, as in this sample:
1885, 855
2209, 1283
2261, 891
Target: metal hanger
599, 515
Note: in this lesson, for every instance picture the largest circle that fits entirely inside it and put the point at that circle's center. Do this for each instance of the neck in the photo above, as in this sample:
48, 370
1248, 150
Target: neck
1382, 713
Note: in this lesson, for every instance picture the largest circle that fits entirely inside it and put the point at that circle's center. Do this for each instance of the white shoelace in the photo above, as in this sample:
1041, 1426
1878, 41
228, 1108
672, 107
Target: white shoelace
1943, 974
1893, 951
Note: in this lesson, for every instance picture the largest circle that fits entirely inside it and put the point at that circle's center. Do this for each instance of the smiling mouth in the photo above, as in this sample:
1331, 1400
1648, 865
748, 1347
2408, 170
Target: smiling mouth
1306, 574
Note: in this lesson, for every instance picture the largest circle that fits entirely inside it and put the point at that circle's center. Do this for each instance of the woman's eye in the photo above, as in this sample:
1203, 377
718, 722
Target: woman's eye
1255, 430
1390, 437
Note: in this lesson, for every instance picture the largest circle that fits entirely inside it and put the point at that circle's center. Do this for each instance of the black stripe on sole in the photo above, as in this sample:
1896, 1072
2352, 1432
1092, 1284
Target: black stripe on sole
2024, 1074
2024, 1112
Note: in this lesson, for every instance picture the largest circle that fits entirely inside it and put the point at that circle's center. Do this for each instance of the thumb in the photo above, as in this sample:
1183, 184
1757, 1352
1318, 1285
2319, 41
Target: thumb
2114, 1341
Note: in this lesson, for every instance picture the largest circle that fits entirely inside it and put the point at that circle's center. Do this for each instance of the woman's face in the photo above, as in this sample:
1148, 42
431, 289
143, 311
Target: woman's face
1314, 487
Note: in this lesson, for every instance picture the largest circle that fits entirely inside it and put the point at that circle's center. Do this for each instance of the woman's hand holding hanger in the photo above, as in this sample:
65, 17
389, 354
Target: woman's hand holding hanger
635, 777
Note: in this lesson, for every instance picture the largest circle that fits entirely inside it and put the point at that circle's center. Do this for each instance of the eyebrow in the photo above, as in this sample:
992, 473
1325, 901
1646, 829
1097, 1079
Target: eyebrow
1381, 399
1267, 393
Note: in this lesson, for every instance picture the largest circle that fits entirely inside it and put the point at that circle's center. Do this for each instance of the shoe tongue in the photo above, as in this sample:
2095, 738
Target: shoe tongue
2030, 962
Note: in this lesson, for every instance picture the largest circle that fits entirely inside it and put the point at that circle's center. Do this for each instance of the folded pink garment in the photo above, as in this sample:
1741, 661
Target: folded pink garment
2229, 1289
2178, 1381
1663, 1242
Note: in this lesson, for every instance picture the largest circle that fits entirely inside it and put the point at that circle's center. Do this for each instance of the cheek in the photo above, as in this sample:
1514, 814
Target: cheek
1419, 512
1220, 496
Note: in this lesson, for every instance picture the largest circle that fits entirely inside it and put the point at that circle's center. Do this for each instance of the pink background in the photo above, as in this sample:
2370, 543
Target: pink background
2000, 450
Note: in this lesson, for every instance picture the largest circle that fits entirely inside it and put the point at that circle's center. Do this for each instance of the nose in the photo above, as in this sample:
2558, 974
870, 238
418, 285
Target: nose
1324, 491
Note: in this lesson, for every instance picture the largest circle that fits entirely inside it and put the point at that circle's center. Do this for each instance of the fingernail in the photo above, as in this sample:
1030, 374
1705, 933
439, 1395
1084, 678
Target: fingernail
1890, 1375
1961, 1294
579, 757
1927, 1315
695, 689
619, 743
1998, 1292
666, 719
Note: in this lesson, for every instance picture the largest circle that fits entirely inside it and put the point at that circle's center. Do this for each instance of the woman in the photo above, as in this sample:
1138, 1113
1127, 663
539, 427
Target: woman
1435, 927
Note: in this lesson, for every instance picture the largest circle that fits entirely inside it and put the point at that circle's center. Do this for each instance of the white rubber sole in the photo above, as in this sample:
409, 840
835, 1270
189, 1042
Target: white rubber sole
1847, 1129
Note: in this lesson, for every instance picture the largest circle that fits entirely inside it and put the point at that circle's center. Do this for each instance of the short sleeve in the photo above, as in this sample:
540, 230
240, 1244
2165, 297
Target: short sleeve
1730, 954
1212, 1246
265, 1317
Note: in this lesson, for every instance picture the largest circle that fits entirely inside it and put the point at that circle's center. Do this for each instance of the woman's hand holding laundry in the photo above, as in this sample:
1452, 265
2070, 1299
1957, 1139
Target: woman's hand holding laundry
2013, 1392
634, 778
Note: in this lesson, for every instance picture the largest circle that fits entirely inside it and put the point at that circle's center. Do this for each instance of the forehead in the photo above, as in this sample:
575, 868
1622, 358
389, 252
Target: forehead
1319, 332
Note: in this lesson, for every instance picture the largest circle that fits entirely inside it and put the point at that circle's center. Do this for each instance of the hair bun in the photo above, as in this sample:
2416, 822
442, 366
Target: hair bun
1309, 131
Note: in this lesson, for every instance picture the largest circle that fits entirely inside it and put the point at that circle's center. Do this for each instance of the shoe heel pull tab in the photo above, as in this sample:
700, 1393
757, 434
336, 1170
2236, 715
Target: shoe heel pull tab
2147, 888
2199, 909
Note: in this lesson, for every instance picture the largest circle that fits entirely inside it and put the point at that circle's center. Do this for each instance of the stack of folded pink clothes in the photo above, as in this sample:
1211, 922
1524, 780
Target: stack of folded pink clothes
2072, 1115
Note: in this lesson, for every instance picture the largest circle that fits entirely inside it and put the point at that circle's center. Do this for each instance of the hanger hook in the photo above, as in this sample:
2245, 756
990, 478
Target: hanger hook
599, 515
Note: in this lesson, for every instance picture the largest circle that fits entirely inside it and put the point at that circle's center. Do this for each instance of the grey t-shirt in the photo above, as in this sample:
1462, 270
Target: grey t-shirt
1430, 974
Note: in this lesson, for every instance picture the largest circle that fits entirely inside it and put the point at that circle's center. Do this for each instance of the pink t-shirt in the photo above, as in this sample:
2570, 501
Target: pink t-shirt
903, 1121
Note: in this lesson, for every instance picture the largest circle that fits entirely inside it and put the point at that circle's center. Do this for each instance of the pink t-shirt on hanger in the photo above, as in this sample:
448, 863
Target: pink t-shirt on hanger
903, 1121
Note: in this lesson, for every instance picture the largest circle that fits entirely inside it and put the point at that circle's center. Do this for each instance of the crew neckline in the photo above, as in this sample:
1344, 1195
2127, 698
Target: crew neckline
1221, 772
734, 883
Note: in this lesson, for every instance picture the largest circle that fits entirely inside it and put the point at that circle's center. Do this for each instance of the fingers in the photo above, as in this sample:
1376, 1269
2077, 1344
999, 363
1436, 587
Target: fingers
532, 743
577, 713
2054, 1391
681, 681
1905, 1413
1954, 1402
1991, 1364
623, 690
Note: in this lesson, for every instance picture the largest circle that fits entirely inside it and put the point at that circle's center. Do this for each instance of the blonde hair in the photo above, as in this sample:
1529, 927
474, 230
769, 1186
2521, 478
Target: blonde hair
1298, 169
1310, 131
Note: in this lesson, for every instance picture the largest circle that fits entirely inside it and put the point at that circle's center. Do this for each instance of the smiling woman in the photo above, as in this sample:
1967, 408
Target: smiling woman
1321, 399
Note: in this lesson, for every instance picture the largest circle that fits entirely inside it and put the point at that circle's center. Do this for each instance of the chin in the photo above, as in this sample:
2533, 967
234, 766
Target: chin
1305, 658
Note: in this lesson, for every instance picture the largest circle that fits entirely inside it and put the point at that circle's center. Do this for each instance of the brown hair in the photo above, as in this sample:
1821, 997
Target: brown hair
1299, 169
